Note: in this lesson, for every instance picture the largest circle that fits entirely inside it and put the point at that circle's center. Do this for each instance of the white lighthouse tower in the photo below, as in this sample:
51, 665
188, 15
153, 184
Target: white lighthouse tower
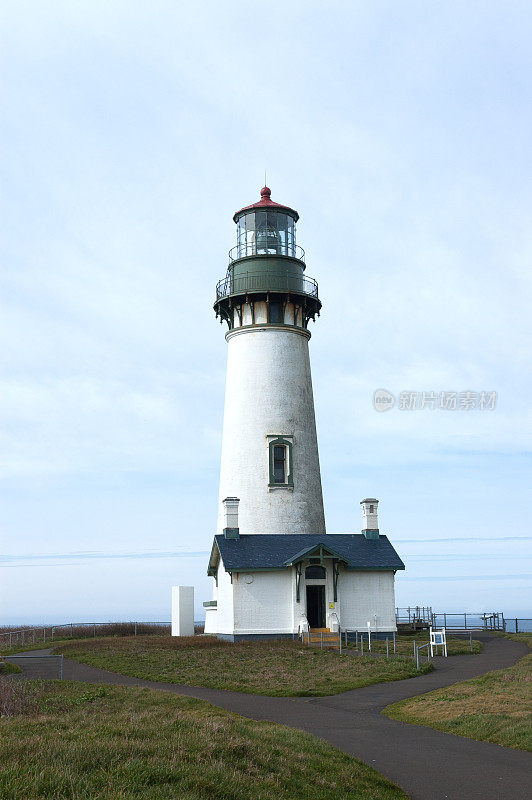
269, 450
275, 571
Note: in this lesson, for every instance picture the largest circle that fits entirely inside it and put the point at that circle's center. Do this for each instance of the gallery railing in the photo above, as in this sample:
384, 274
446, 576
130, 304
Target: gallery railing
266, 282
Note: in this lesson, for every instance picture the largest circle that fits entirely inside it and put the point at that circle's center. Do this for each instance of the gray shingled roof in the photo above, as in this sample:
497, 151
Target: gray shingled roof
276, 551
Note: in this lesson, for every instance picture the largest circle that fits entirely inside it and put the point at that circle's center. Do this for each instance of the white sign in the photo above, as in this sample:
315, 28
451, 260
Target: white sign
438, 639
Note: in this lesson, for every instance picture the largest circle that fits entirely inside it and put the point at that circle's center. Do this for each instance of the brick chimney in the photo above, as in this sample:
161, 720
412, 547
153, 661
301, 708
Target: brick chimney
370, 518
230, 518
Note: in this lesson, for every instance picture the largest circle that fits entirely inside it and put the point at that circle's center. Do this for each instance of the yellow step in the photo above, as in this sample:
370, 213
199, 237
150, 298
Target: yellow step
327, 642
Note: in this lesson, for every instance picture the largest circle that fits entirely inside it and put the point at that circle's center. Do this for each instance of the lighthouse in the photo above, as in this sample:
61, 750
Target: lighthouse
275, 570
269, 445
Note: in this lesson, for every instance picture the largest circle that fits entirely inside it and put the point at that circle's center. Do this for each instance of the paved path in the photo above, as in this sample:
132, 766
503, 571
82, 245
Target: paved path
38, 664
427, 764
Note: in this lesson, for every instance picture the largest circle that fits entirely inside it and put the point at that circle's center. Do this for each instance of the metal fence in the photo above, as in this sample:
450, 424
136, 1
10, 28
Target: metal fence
423, 616
518, 625
465, 621
413, 614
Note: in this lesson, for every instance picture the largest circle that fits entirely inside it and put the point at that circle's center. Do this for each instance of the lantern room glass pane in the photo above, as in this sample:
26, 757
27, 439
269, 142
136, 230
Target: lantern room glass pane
261, 232
291, 236
241, 237
250, 235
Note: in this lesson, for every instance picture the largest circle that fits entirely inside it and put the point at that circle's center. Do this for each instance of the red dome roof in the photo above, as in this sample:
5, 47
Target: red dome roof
266, 202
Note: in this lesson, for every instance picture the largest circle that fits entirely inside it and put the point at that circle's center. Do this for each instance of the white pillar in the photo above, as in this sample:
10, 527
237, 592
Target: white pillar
182, 611
268, 395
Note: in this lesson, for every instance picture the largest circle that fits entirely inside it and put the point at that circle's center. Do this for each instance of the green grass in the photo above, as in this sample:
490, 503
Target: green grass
6, 668
281, 669
495, 707
112, 743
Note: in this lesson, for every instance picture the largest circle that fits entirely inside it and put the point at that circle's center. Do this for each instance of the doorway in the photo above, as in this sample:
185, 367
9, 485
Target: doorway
316, 606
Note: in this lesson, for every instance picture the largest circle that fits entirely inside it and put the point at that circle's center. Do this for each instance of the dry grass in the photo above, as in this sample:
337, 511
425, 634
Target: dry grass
279, 668
496, 707
23, 637
111, 743
17, 697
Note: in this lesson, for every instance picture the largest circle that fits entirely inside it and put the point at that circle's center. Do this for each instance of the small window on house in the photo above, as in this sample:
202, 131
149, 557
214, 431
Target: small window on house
315, 572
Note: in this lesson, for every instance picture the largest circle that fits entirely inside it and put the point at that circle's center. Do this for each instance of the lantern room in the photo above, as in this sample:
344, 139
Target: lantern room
266, 228
266, 269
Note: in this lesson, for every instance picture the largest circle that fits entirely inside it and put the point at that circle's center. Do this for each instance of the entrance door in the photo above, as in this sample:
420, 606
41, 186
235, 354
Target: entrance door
316, 606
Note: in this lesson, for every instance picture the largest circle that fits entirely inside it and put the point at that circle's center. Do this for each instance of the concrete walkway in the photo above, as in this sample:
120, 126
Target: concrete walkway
427, 764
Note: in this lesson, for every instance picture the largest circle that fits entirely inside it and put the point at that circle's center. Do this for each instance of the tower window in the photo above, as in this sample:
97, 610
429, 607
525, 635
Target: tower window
372, 509
280, 457
279, 463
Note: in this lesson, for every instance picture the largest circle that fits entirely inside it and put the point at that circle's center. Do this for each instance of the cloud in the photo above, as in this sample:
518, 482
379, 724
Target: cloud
75, 558
461, 539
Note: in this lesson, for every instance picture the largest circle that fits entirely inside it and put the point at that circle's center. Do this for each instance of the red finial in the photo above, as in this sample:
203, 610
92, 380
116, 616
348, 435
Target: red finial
265, 193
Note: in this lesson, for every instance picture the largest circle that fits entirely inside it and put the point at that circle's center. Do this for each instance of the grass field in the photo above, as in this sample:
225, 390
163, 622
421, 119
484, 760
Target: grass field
69, 740
496, 707
282, 669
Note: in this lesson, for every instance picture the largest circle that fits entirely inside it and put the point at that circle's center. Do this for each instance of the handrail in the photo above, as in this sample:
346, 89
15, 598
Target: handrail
418, 648
264, 282
245, 250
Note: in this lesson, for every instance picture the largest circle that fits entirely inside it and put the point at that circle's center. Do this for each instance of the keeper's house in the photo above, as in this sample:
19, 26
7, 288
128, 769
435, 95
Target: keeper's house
276, 572
273, 586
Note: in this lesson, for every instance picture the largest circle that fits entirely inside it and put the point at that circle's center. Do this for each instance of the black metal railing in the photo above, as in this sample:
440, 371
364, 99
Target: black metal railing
246, 249
266, 282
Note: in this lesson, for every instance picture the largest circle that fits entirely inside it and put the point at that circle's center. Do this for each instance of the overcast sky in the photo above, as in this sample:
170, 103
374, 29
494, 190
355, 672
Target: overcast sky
131, 132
